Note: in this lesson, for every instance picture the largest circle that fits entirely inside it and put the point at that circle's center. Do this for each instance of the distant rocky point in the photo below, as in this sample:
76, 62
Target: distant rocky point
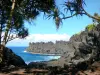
57, 48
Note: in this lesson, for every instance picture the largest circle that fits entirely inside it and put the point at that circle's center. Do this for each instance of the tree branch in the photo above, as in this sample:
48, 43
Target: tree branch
12, 38
9, 35
86, 13
69, 16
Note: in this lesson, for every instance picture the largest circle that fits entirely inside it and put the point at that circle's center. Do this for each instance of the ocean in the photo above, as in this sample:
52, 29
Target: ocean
28, 57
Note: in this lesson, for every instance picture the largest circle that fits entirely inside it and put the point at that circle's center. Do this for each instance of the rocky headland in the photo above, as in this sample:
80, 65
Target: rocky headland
79, 56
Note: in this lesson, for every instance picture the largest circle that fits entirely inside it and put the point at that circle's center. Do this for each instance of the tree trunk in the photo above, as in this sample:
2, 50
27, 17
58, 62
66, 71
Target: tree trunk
9, 23
1, 53
6, 33
0, 36
1, 48
0, 33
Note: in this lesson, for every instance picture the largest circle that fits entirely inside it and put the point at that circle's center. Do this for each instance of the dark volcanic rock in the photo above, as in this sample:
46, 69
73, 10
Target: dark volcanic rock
39, 65
10, 58
79, 37
85, 49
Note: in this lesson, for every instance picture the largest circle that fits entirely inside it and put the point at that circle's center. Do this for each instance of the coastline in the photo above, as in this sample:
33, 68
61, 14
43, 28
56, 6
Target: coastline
44, 54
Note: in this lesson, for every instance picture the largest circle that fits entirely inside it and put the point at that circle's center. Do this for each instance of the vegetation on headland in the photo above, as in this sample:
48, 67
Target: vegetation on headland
77, 33
90, 27
87, 28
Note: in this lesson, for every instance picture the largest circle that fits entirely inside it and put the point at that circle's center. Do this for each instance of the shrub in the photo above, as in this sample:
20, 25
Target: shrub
90, 27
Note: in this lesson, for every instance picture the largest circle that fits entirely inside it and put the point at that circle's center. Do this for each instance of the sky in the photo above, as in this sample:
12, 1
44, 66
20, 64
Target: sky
42, 29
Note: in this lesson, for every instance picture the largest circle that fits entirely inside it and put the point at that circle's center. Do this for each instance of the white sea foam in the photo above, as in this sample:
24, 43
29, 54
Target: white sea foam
47, 58
52, 57
25, 51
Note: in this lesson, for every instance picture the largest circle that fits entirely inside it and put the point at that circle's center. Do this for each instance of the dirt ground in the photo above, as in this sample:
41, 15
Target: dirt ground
94, 70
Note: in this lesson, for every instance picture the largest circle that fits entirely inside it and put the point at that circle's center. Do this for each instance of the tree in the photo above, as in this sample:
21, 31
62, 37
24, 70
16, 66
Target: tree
14, 12
12, 16
75, 7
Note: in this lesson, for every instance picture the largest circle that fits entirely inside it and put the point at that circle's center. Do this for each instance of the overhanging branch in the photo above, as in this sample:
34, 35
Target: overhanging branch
86, 13
69, 16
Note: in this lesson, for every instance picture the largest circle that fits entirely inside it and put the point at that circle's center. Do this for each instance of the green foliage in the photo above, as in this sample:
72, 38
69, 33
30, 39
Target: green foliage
90, 27
13, 14
98, 16
75, 6
77, 33
53, 60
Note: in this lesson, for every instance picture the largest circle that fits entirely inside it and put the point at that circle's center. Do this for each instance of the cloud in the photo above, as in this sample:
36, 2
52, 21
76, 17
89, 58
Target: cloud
38, 38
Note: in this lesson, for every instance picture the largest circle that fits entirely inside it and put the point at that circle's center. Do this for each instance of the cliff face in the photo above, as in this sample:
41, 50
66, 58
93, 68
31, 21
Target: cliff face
85, 46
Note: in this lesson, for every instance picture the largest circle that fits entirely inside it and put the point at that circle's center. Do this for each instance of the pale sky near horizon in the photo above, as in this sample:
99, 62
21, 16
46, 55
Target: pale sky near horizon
45, 30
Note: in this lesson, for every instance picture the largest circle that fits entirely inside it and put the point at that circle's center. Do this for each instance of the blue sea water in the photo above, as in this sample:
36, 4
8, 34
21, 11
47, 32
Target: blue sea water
28, 57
